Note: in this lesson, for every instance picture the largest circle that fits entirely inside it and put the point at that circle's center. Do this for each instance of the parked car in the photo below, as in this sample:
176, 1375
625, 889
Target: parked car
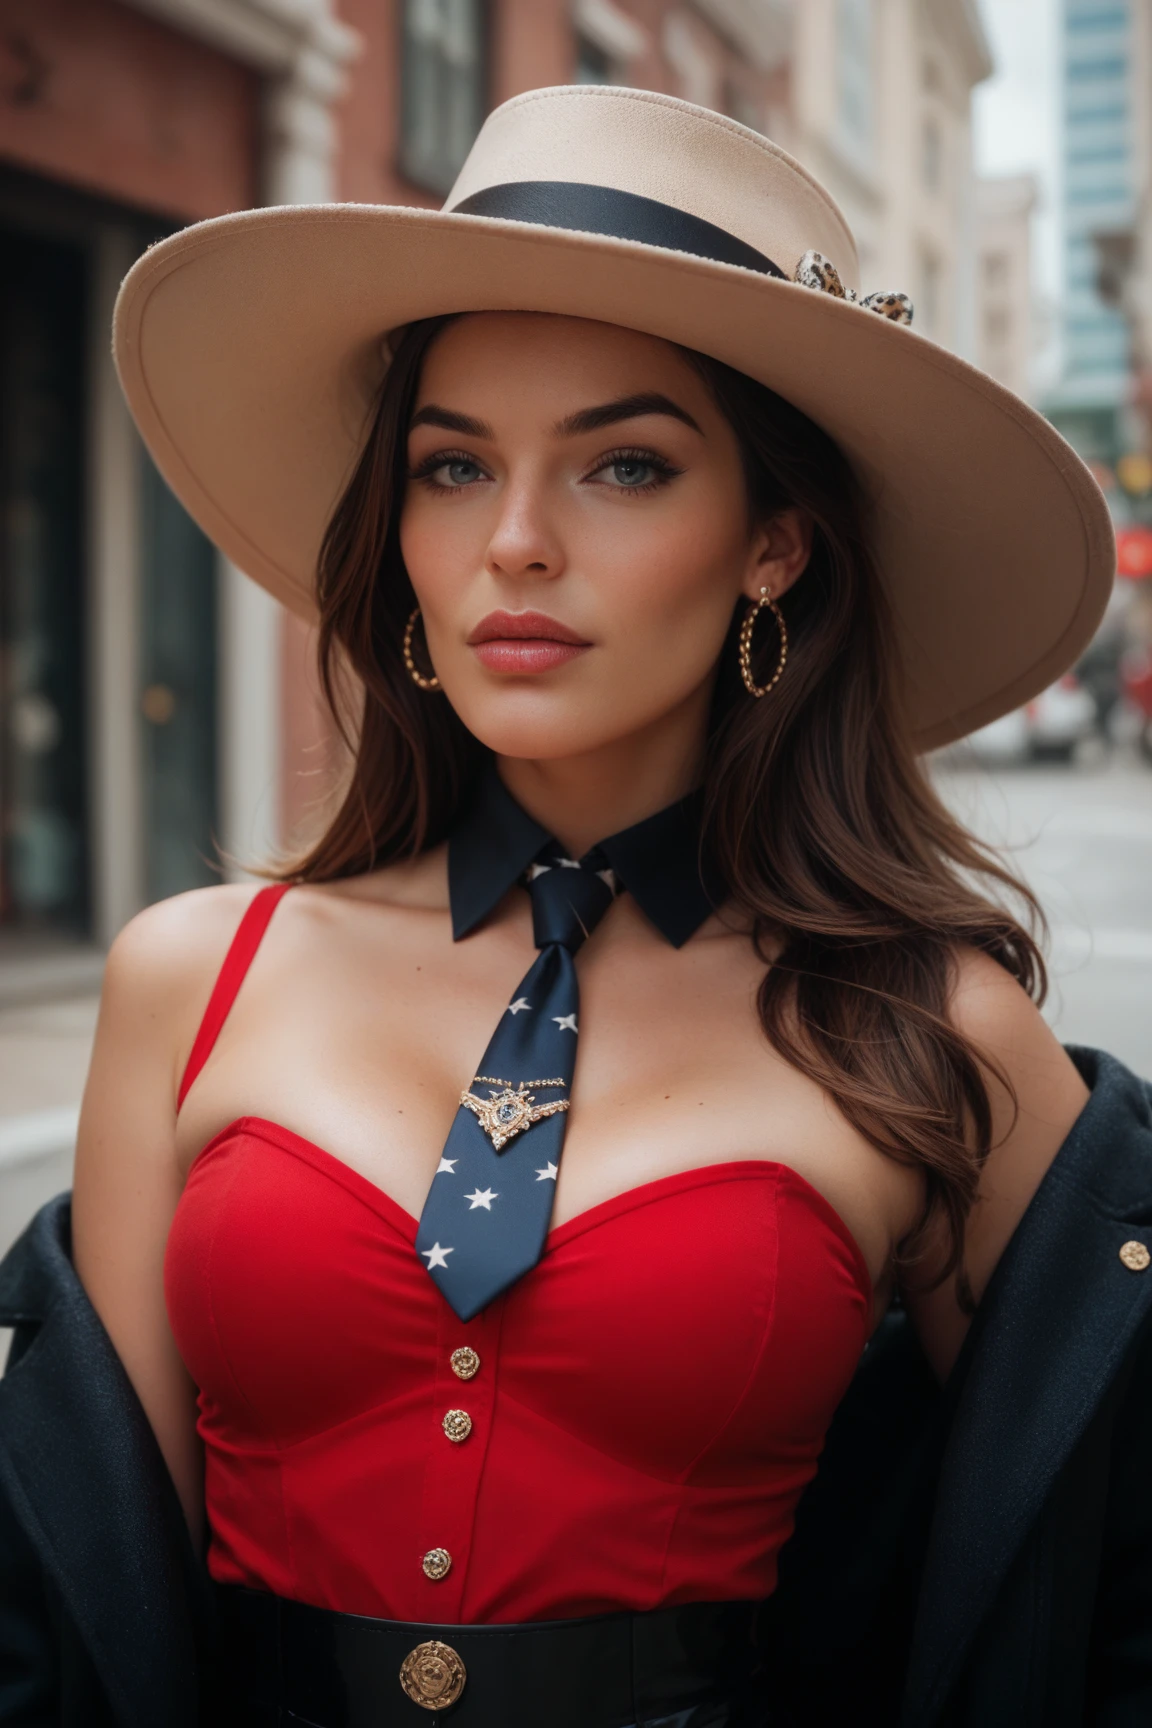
1047, 729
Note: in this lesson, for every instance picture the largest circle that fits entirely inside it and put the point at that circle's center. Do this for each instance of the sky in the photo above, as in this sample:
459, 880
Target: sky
1016, 116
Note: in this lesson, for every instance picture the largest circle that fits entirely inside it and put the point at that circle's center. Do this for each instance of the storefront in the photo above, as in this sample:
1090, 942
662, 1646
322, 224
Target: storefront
140, 676
52, 685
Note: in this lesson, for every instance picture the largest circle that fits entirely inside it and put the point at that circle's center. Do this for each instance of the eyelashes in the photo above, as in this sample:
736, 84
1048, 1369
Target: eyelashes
427, 470
627, 457
663, 470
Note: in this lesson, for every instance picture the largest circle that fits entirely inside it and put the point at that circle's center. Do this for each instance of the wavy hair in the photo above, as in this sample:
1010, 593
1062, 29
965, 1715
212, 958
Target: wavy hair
820, 818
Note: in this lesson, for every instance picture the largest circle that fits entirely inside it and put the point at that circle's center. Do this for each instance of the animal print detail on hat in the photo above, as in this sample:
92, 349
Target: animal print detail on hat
816, 271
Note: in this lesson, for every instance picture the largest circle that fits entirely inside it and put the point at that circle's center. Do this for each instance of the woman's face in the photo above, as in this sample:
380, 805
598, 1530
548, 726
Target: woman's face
577, 532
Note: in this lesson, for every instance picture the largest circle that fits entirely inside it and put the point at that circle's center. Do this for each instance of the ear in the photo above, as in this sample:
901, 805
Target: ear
779, 553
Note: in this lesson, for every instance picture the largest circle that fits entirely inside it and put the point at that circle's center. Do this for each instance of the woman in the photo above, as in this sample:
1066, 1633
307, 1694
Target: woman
489, 1379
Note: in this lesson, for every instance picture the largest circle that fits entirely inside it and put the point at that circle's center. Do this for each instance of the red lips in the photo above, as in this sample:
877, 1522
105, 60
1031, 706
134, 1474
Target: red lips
525, 642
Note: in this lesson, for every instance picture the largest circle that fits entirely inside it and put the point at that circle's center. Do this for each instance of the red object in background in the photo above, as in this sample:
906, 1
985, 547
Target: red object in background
1134, 552
1136, 677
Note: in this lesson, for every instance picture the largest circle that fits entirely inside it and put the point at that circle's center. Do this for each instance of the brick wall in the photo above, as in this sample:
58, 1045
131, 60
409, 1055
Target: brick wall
95, 94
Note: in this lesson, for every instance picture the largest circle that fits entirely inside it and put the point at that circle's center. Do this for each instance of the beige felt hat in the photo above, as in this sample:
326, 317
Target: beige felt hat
250, 348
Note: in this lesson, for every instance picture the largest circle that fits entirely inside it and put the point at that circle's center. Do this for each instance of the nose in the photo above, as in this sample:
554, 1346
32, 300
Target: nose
525, 542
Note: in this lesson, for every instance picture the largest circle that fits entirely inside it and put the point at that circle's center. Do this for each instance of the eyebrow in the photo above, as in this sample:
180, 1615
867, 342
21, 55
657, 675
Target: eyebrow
584, 420
450, 421
623, 408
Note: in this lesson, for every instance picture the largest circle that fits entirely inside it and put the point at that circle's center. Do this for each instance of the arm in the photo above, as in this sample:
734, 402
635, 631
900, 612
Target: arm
127, 1182
991, 1009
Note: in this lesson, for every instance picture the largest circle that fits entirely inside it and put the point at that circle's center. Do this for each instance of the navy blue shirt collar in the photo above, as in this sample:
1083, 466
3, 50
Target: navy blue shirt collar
658, 861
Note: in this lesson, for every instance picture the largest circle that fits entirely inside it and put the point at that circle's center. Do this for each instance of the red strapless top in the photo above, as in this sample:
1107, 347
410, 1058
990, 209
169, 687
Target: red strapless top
651, 1398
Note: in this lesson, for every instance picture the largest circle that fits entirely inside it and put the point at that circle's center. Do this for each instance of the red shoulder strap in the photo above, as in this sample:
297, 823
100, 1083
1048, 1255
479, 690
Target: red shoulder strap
236, 963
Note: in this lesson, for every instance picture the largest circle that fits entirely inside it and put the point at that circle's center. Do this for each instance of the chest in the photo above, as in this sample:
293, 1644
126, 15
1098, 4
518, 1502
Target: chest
364, 1045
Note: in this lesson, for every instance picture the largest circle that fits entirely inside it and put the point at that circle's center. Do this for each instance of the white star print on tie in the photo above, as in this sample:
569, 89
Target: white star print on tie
527, 1071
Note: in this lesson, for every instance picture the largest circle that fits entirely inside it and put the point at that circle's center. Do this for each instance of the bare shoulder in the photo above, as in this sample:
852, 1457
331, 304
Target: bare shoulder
1035, 1093
170, 948
992, 1009
160, 972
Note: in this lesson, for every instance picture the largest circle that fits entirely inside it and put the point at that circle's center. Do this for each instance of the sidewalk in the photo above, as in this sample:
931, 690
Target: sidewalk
44, 1051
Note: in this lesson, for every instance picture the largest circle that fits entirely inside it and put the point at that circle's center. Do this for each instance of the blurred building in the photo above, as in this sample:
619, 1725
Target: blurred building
1099, 193
155, 706
879, 106
138, 678
1124, 258
1004, 294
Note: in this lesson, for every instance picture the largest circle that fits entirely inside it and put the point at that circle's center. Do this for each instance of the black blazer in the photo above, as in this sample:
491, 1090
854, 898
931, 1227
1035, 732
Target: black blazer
967, 1558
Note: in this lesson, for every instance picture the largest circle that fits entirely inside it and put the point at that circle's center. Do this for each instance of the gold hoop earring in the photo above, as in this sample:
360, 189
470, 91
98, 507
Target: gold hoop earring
745, 649
414, 671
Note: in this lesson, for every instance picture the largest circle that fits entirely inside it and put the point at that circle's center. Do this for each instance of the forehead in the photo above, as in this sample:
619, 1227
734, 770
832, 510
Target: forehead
540, 356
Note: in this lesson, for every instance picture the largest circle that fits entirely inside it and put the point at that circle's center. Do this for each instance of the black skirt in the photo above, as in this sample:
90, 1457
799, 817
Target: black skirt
286, 1665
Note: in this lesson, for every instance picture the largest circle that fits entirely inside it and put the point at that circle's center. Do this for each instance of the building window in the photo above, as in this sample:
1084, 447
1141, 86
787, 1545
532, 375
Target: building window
1105, 153
997, 325
43, 816
1086, 71
1090, 21
854, 71
996, 269
593, 65
931, 153
177, 695
1116, 194
1111, 112
442, 91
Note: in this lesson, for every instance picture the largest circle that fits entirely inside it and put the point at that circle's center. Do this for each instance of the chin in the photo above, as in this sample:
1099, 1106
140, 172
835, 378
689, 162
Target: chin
533, 725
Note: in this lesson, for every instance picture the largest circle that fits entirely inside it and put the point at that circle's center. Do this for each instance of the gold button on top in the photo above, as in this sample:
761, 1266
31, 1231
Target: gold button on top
457, 1424
465, 1362
1136, 1257
437, 1563
433, 1675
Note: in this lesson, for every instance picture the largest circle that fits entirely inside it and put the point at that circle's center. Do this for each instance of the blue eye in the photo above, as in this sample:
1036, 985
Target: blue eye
459, 472
634, 471
630, 472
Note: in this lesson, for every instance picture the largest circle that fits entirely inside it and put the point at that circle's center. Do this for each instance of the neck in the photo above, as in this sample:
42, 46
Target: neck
583, 799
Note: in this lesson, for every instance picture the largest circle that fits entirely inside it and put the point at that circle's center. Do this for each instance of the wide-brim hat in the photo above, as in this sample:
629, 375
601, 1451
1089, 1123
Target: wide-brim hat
251, 348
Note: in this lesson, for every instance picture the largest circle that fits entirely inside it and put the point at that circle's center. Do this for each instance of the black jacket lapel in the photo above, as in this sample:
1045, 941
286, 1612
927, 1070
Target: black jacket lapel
1052, 1332
86, 1482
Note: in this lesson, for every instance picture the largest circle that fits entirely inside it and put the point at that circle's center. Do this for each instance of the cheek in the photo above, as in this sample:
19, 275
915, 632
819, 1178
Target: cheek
671, 582
438, 545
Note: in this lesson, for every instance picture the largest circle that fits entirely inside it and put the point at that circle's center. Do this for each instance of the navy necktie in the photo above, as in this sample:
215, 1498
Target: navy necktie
486, 1218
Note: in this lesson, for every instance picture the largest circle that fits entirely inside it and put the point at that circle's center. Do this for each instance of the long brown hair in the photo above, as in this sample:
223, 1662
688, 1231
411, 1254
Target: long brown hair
819, 817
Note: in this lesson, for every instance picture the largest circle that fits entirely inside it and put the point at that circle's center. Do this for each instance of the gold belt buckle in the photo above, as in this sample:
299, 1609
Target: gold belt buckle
433, 1675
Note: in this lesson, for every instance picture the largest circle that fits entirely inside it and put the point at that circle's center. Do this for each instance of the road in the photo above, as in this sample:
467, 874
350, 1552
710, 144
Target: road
1082, 837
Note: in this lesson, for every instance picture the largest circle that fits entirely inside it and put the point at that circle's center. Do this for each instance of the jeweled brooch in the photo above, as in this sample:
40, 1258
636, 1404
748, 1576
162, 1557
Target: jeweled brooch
816, 271
506, 1113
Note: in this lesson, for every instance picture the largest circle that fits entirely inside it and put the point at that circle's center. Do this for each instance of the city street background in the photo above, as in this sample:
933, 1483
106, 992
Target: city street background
1081, 837
159, 718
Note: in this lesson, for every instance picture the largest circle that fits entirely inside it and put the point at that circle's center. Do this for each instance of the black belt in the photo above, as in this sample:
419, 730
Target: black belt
694, 1666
